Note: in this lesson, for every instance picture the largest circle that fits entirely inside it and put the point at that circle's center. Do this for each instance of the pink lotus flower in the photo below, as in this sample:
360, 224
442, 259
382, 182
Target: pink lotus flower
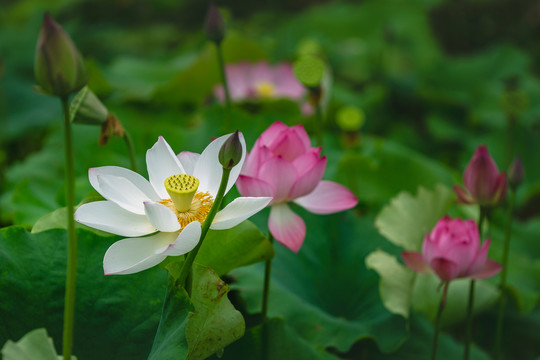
452, 251
255, 81
484, 185
284, 165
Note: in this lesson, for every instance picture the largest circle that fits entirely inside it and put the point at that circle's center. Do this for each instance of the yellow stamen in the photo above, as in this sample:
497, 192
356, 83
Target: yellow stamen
265, 89
199, 209
181, 189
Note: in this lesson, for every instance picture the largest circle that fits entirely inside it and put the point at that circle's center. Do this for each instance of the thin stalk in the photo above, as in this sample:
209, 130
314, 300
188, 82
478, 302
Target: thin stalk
221, 63
319, 125
504, 272
131, 150
266, 288
186, 268
468, 331
71, 277
470, 305
442, 304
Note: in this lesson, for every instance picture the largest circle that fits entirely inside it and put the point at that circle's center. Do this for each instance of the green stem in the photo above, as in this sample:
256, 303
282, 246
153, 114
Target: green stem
468, 331
319, 125
266, 289
504, 272
223, 73
131, 151
71, 277
442, 304
186, 268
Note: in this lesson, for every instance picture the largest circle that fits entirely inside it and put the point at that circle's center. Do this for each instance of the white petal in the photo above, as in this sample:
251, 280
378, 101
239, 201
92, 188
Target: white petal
107, 216
162, 163
128, 256
161, 217
186, 241
123, 193
188, 160
238, 210
132, 176
209, 171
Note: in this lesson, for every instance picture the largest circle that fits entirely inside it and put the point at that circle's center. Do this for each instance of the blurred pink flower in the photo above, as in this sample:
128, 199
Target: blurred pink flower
484, 184
255, 81
284, 165
453, 250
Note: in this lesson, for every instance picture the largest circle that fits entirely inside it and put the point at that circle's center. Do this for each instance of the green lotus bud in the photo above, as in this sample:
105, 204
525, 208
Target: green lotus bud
309, 70
231, 151
214, 26
86, 108
58, 67
350, 118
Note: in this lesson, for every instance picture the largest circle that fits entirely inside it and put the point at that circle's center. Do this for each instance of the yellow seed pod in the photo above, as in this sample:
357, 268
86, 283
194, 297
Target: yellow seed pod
181, 189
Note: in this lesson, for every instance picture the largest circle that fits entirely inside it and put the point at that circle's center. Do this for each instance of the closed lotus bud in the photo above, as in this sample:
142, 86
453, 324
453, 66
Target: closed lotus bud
484, 184
516, 173
214, 26
230, 153
58, 66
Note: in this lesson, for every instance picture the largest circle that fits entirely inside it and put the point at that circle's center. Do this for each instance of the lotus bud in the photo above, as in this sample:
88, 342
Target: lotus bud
516, 173
230, 153
484, 184
58, 66
214, 26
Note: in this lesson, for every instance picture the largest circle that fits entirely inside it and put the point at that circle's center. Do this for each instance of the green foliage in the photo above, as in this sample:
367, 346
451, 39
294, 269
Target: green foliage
325, 289
198, 325
118, 313
35, 345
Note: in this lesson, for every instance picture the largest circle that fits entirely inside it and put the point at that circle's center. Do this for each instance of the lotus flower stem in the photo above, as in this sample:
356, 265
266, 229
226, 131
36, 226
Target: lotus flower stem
319, 125
69, 305
502, 285
266, 289
468, 331
470, 305
221, 63
186, 268
442, 305
131, 151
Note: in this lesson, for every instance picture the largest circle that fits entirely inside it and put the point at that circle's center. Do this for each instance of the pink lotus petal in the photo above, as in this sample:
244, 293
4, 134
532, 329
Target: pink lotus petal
268, 136
308, 181
490, 268
501, 186
286, 227
288, 146
250, 186
304, 137
328, 197
305, 162
479, 259
415, 261
445, 269
463, 195
280, 174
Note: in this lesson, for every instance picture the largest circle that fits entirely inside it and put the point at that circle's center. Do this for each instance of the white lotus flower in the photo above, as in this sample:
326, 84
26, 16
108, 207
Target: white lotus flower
135, 207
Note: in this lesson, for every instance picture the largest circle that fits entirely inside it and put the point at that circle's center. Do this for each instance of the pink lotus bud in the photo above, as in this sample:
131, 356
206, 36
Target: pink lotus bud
214, 26
58, 66
516, 173
484, 184
452, 251
284, 165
